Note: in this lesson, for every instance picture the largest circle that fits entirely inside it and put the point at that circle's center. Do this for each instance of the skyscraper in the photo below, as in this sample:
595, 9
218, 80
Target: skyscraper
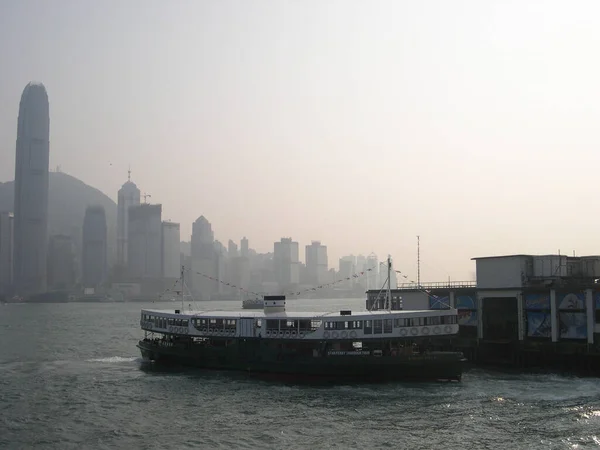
144, 253
316, 263
286, 262
31, 191
171, 255
205, 259
244, 247
129, 195
61, 262
93, 261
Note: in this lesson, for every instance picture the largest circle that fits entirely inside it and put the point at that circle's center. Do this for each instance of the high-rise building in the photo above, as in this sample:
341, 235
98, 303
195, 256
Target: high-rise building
316, 263
31, 191
232, 249
93, 260
129, 195
347, 269
286, 262
6, 252
244, 247
372, 276
61, 262
144, 241
361, 266
171, 254
205, 259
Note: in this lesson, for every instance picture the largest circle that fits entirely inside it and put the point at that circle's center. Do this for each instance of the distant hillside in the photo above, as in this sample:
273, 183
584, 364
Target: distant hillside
68, 198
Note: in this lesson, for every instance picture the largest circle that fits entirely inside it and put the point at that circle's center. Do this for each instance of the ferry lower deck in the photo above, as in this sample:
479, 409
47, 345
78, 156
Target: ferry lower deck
377, 360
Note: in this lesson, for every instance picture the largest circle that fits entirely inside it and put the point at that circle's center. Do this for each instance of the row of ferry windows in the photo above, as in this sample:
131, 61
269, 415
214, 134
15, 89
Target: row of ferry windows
387, 323
270, 324
164, 322
215, 323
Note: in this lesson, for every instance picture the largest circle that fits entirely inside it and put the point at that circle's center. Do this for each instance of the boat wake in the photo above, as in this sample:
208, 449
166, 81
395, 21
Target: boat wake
115, 359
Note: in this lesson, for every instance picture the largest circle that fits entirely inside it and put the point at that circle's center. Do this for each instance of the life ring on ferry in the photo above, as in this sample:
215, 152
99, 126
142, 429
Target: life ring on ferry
293, 334
344, 334
448, 329
211, 330
414, 331
425, 330
203, 330
301, 335
403, 332
353, 334
326, 334
287, 334
334, 334
437, 330
268, 333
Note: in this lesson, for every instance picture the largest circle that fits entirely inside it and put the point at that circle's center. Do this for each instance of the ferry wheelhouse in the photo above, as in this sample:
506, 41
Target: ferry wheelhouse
366, 345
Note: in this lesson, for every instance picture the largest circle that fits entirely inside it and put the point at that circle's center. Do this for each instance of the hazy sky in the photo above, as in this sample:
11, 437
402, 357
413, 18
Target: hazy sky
361, 124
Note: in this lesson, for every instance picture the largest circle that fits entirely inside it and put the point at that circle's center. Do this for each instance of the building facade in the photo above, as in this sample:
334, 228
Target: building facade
144, 241
6, 252
171, 255
286, 263
93, 258
31, 191
129, 195
62, 271
316, 263
205, 259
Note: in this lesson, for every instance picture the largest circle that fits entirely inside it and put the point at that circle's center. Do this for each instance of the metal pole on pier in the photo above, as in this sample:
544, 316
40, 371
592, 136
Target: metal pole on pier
182, 293
389, 279
418, 261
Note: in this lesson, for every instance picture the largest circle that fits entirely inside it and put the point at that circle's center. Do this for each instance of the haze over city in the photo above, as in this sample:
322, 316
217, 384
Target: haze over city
471, 124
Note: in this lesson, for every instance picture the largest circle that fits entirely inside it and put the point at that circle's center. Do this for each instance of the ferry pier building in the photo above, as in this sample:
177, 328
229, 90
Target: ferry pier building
523, 310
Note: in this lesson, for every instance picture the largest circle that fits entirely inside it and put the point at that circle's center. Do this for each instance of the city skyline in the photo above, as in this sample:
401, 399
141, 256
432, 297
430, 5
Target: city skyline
359, 127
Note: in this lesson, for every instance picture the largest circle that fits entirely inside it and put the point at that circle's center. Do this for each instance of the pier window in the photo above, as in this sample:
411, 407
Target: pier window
377, 326
387, 325
315, 324
368, 327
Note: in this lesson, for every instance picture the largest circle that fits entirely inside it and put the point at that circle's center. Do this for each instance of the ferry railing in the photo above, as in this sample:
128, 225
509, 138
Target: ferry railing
437, 285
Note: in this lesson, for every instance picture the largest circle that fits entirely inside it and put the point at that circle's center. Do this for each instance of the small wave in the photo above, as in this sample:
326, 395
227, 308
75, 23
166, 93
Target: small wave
114, 359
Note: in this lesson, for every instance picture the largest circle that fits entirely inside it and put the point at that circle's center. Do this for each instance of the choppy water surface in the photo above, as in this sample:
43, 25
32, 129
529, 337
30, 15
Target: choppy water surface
70, 377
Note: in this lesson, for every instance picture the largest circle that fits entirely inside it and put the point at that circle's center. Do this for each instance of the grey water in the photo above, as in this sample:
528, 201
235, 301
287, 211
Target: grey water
71, 377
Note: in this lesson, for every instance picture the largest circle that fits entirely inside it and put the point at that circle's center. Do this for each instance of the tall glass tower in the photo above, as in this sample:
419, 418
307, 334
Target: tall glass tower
31, 191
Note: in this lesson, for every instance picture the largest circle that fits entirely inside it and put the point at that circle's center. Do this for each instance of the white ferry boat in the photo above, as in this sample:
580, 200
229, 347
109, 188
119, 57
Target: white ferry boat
366, 345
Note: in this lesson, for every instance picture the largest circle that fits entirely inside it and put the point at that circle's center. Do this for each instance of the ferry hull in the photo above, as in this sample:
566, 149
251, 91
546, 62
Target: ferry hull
251, 356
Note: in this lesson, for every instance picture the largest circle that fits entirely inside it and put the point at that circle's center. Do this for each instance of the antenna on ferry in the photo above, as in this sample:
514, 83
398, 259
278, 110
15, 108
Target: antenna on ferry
182, 287
418, 261
389, 286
